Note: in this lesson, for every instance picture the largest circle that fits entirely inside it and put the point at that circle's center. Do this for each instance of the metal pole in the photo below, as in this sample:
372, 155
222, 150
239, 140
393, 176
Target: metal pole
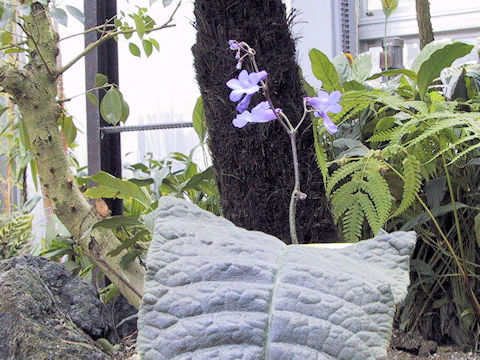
104, 152
147, 127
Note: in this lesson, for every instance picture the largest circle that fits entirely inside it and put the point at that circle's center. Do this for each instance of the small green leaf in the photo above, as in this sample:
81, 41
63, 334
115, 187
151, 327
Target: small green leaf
129, 242
92, 98
324, 70
409, 73
353, 85
140, 26
389, 6
199, 120
155, 44
427, 51
105, 344
24, 139
115, 222
125, 109
196, 179
76, 13
60, 16
122, 189
111, 107
147, 47
68, 128
134, 49
129, 257
6, 38
100, 80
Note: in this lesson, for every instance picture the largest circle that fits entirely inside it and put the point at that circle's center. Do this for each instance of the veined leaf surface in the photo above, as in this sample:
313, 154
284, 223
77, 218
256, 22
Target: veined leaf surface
216, 291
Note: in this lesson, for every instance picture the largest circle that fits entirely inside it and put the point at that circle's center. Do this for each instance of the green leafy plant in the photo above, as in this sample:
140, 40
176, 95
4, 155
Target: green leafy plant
399, 161
16, 231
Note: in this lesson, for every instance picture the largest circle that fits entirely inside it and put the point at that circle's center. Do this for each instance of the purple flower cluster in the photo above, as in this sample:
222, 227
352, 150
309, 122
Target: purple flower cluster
326, 103
247, 85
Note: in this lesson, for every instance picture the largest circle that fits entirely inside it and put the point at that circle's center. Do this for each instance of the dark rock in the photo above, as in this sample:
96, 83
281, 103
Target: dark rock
43, 310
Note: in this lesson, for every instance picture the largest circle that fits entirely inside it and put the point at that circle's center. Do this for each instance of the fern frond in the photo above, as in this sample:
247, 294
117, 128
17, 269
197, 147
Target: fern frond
412, 183
435, 129
352, 223
320, 153
342, 173
342, 198
385, 135
368, 209
464, 153
419, 106
377, 188
363, 195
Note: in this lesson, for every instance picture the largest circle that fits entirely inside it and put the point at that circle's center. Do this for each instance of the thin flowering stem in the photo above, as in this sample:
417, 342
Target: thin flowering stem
292, 132
266, 91
296, 193
248, 84
305, 112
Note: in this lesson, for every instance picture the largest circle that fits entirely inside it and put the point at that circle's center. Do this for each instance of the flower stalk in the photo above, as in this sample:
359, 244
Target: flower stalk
246, 86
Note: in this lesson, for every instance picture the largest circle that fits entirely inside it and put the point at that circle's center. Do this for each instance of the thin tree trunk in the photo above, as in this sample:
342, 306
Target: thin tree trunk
254, 164
34, 89
424, 20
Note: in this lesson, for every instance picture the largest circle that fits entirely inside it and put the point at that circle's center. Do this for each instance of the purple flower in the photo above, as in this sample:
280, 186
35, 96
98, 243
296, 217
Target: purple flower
326, 103
260, 114
234, 45
245, 84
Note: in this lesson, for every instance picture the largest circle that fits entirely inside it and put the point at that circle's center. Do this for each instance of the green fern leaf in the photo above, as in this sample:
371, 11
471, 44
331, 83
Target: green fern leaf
320, 153
352, 223
342, 173
412, 183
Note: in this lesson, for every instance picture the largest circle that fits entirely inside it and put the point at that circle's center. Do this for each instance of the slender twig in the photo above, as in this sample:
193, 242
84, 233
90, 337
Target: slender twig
12, 46
96, 28
61, 101
111, 35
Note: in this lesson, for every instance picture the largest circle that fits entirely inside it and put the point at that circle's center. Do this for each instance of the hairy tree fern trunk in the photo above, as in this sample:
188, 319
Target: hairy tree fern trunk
254, 164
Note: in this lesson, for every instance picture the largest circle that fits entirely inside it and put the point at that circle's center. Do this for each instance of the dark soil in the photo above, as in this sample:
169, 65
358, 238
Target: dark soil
414, 346
443, 354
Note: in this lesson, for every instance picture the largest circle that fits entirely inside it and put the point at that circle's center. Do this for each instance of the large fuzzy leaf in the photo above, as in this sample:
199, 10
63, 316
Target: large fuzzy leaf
216, 291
